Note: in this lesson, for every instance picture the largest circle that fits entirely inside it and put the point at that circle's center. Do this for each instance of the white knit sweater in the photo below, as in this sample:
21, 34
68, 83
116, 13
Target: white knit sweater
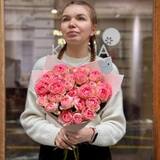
110, 123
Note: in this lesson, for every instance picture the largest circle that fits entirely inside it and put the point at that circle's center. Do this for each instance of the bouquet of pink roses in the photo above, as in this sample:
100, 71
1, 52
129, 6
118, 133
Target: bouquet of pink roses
73, 94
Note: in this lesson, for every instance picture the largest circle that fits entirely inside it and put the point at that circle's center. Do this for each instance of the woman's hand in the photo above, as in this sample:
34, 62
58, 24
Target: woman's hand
67, 139
62, 140
83, 135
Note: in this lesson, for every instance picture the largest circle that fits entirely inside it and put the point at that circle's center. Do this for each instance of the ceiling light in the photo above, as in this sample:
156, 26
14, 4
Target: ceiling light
54, 11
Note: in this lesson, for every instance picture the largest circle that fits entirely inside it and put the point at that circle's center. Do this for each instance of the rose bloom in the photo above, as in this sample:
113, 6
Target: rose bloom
95, 75
93, 103
72, 92
57, 86
54, 97
60, 69
77, 118
66, 102
92, 84
69, 77
69, 81
83, 69
73, 70
79, 103
65, 117
88, 114
86, 91
81, 75
51, 107
41, 88
47, 76
42, 100
51, 97
104, 92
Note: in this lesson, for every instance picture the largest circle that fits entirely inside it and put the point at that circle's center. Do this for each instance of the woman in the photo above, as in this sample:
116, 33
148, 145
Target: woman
78, 25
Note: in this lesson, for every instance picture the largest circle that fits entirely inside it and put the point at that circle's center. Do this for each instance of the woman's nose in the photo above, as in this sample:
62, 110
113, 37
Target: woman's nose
72, 23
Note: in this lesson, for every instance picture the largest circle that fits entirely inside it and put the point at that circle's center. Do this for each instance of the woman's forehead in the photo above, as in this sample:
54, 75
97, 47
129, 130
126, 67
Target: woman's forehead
75, 9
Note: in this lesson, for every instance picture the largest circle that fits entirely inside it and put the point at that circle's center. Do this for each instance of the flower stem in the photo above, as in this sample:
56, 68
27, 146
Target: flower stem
76, 153
65, 154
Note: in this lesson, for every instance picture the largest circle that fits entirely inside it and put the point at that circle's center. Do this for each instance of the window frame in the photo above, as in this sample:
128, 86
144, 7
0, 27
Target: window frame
155, 80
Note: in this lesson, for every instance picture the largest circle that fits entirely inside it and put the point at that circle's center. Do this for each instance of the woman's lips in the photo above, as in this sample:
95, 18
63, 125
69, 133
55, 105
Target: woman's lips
72, 33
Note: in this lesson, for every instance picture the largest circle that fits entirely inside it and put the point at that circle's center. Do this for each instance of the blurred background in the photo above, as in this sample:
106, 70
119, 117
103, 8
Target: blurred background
32, 31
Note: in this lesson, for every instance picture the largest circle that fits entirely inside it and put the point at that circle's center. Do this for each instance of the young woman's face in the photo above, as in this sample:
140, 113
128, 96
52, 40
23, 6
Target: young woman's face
76, 24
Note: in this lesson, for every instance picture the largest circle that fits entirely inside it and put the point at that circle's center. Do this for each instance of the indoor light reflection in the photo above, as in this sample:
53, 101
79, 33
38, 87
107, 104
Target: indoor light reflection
136, 60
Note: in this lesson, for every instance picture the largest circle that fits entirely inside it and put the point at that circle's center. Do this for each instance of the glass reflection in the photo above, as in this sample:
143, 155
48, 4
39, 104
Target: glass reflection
32, 32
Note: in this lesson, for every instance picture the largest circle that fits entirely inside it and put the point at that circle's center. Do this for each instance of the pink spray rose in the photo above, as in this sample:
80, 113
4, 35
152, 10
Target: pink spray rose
72, 92
83, 69
54, 97
52, 107
60, 69
88, 114
104, 92
95, 75
86, 91
69, 81
81, 75
66, 102
41, 88
65, 117
47, 76
79, 103
77, 118
93, 103
92, 84
42, 100
57, 86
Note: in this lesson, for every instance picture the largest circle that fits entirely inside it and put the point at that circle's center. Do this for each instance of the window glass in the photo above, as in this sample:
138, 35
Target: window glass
32, 31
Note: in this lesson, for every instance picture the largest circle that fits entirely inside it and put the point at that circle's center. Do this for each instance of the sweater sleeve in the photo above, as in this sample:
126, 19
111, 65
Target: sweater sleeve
112, 126
33, 119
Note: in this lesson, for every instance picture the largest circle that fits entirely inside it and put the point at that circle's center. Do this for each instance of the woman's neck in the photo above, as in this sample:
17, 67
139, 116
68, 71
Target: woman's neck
77, 51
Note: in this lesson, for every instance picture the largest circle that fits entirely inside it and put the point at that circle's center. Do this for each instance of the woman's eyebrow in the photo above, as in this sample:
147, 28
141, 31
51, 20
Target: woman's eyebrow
81, 15
66, 15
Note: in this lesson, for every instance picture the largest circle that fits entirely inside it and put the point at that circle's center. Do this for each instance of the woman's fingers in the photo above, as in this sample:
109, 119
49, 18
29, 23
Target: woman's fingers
62, 144
72, 140
65, 137
62, 140
83, 135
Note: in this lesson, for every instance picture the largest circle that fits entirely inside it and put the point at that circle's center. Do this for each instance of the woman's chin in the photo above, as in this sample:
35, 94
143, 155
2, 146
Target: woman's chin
74, 42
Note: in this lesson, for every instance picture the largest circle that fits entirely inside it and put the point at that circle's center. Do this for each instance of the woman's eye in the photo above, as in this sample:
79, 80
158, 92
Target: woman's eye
64, 19
81, 18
